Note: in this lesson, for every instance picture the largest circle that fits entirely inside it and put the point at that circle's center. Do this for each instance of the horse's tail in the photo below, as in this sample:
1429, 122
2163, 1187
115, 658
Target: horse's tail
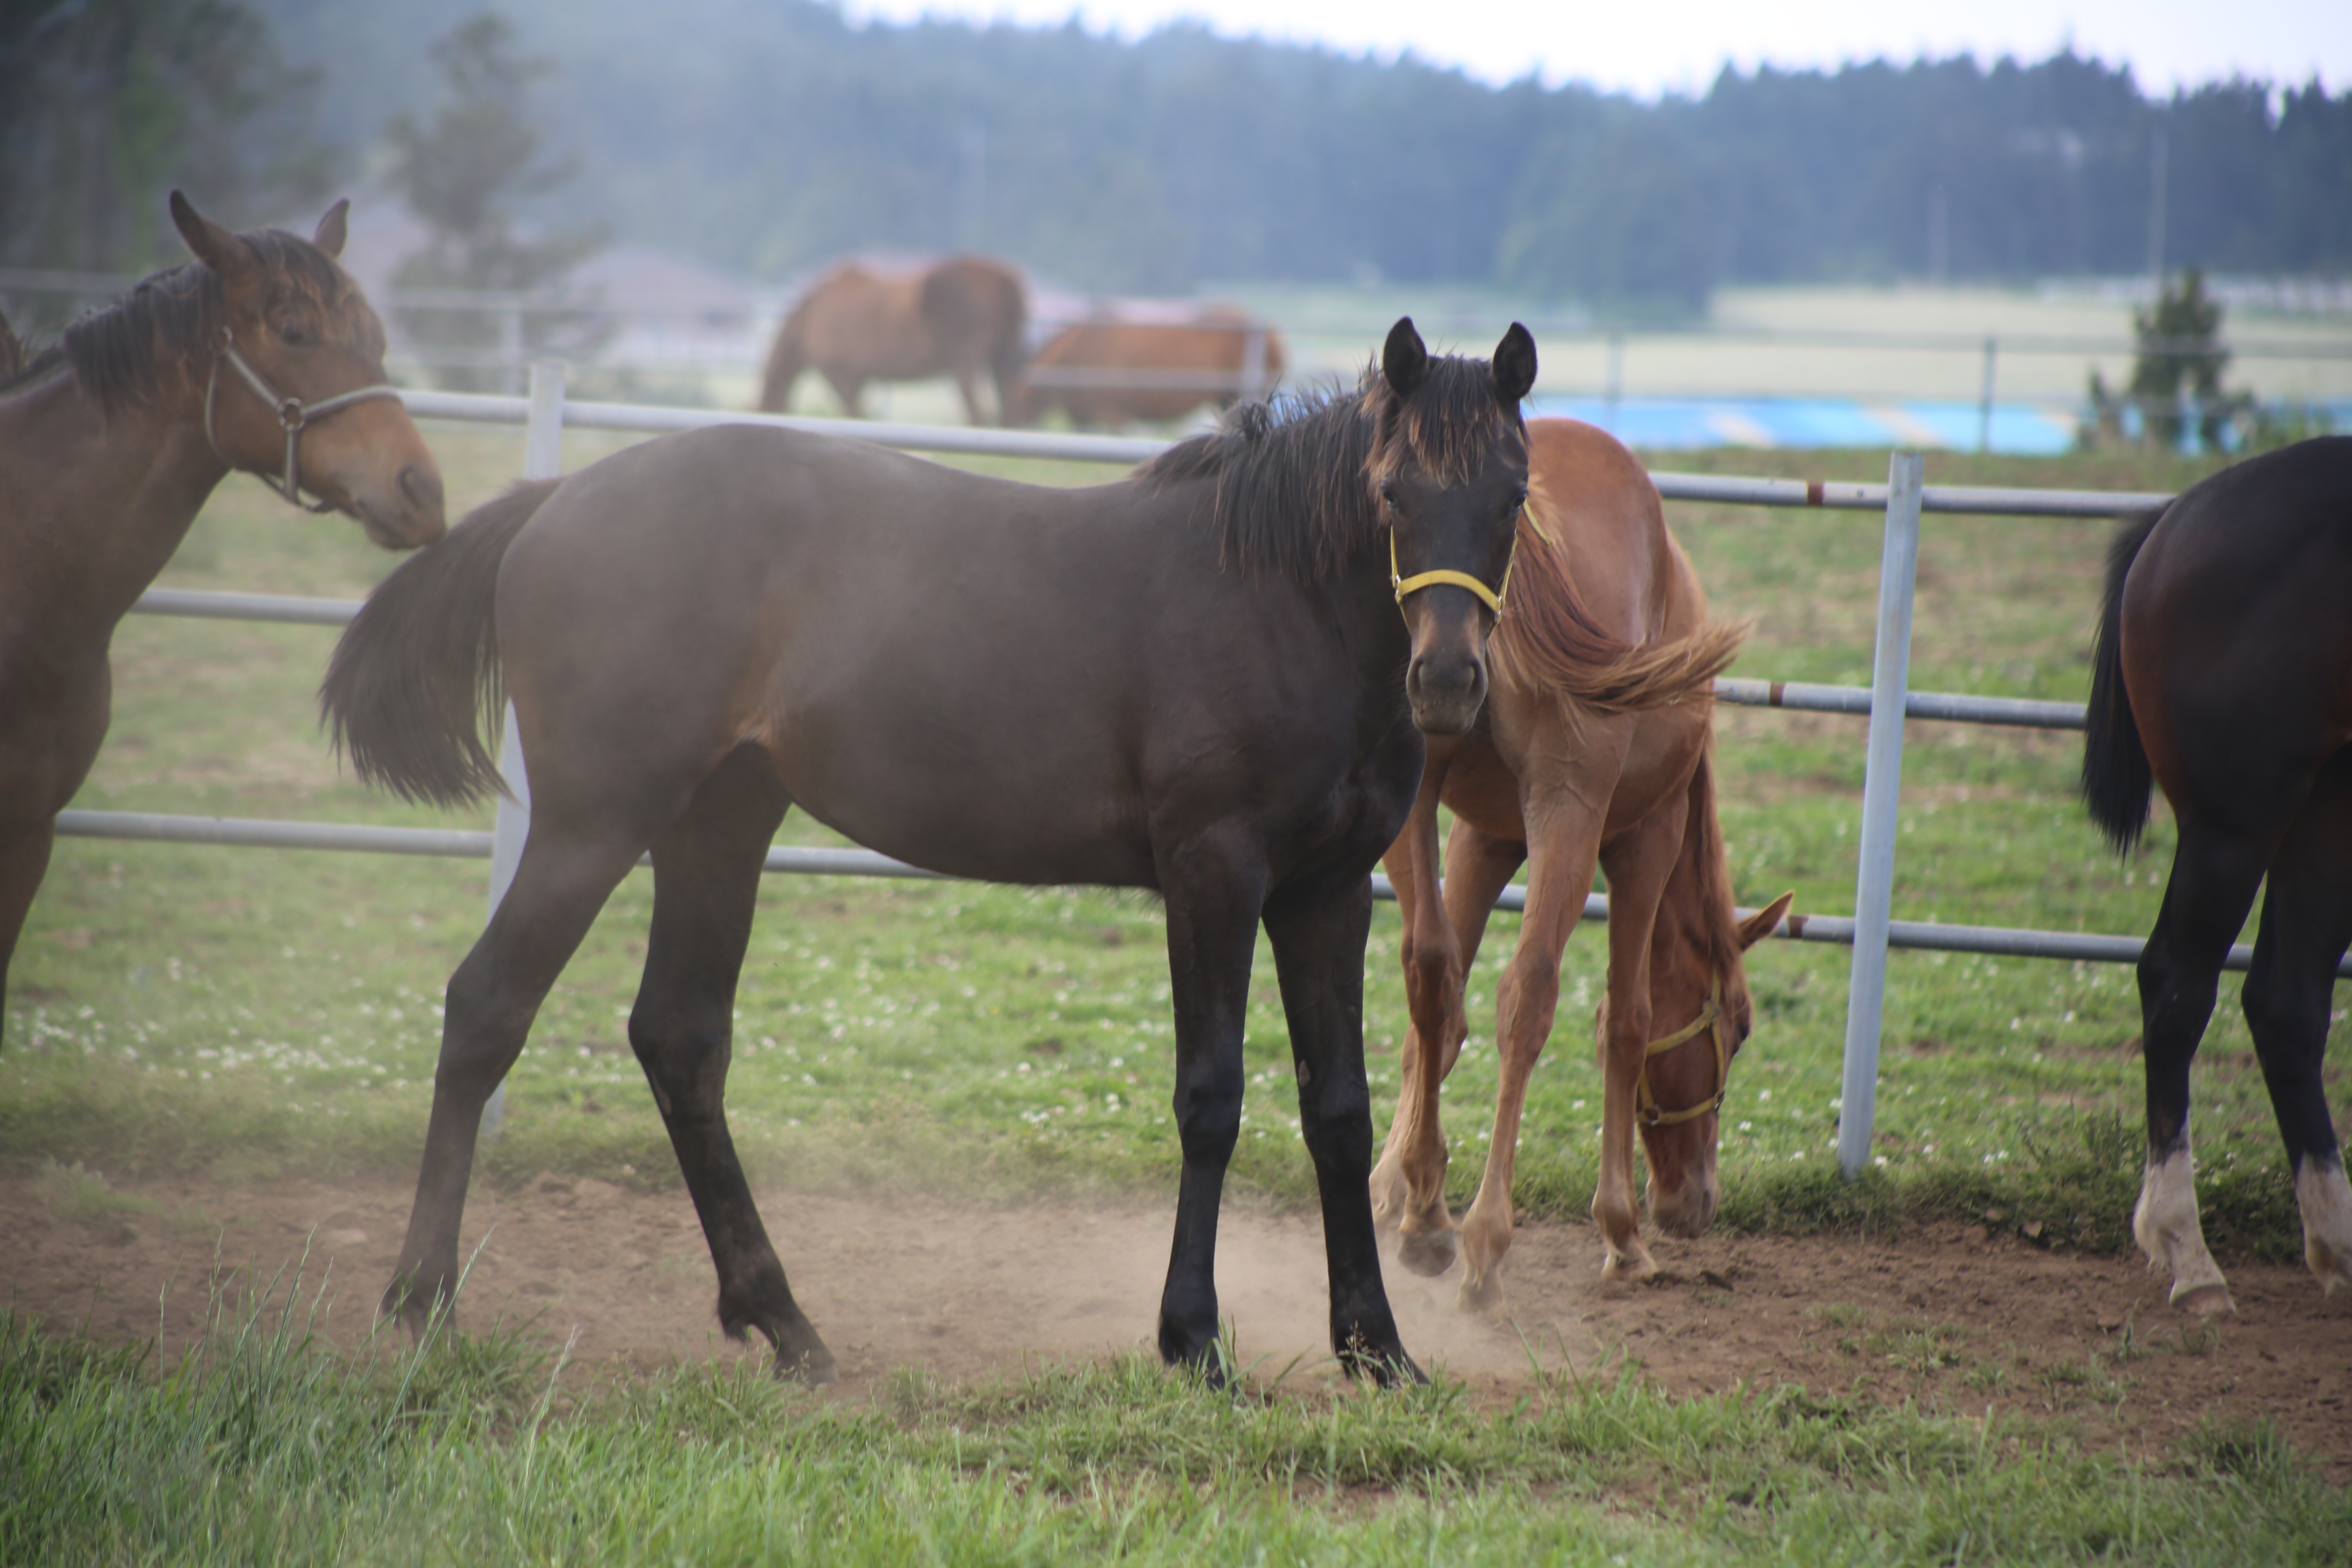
1548, 639
2116, 777
785, 358
414, 683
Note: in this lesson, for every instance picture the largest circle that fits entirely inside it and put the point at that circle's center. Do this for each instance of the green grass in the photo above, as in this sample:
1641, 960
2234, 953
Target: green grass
262, 1444
253, 1016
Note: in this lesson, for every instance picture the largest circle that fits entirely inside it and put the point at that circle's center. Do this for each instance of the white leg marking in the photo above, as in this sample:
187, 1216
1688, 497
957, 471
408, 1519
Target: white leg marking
2166, 1224
2327, 1203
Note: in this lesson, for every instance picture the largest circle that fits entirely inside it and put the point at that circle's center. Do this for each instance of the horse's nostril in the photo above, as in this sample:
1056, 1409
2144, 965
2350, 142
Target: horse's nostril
420, 486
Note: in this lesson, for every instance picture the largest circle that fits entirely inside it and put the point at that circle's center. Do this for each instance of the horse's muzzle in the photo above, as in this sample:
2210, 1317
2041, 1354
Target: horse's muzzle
406, 514
1445, 692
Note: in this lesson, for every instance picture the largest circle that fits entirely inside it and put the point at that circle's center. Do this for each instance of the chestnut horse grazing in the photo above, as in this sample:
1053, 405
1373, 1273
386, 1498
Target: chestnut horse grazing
261, 356
964, 316
2223, 674
1194, 681
1598, 748
1115, 372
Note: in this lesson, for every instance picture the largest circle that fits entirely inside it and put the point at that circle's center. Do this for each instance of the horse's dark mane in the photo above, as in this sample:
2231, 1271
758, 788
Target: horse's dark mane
123, 352
1297, 479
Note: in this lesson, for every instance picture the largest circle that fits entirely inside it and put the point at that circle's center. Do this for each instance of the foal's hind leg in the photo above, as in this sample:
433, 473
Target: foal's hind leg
707, 869
2306, 925
562, 880
22, 867
2205, 903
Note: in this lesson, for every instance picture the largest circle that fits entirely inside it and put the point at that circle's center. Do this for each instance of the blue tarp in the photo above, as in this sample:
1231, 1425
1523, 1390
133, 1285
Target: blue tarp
1684, 422
1672, 422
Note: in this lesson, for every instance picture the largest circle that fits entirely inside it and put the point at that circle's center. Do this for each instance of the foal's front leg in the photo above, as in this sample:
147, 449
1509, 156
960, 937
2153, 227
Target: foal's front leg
1317, 934
1213, 900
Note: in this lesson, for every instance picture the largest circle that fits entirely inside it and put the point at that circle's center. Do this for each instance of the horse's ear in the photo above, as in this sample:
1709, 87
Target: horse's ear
1758, 926
1404, 359
1515, 365
333, 228
213, 245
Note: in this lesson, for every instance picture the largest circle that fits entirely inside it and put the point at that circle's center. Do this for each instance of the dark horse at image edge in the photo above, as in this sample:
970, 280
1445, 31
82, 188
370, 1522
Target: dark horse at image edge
2223, 674
1195, 680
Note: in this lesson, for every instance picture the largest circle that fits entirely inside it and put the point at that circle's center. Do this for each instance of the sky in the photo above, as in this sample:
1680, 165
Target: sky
1679, 46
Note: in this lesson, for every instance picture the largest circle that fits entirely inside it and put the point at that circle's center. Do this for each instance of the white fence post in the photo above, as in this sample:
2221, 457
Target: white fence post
543, 458
1984, 417
1882, 792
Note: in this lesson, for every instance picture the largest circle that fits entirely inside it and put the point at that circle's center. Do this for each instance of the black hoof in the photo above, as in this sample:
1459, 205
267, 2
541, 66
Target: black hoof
1387, 1366
810, 1369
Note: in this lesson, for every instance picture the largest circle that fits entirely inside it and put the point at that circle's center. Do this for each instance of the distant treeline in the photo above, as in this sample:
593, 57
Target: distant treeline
769, 135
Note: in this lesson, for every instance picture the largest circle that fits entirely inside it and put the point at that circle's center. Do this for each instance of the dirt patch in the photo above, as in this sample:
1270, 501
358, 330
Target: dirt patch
1958, 1320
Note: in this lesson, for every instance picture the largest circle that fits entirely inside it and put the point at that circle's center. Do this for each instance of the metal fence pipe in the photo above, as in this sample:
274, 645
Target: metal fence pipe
279, 607
1955, 707
1882, 787
248, 832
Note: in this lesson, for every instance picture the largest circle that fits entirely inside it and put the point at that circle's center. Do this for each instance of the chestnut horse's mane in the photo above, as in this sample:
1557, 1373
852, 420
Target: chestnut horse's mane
1295, 478
123, 352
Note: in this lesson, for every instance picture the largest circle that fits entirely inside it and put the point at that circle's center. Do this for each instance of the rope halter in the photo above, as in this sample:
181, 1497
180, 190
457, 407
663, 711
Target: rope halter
293, 416
1645, 1103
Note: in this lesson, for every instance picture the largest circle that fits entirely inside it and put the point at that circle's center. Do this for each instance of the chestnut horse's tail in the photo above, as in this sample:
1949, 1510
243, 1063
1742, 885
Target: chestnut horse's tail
1548, 639
2116, 778
414, 684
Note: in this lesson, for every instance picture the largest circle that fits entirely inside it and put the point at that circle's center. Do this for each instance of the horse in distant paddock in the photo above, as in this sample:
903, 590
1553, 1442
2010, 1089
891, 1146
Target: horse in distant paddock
1195, 680
965, 316
1115, 372
262, 355
2223, 675
1598, 748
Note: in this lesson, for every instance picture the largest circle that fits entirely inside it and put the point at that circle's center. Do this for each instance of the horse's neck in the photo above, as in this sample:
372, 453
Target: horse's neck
92, 507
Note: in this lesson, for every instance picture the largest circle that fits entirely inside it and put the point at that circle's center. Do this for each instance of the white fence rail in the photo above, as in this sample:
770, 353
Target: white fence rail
1871, 932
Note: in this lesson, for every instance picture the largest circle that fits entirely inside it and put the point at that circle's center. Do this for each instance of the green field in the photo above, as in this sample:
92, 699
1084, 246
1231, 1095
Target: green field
249, 1015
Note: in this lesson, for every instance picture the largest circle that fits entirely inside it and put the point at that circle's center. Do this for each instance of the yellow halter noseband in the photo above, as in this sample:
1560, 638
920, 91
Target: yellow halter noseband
1491, 597
1645, 1104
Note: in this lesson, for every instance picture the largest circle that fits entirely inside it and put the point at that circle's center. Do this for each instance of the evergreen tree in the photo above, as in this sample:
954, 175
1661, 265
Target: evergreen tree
2180, 350
106, 105
463, 173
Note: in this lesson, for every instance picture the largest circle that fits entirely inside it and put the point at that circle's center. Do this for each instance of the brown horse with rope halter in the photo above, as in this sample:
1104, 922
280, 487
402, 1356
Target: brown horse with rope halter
1597, 750
110, 443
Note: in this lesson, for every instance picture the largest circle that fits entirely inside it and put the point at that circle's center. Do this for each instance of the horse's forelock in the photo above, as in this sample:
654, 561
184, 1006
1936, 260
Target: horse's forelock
1446, 428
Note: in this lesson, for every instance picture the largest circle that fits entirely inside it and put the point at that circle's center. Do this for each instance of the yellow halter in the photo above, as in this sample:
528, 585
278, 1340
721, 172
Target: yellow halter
1491, 597
1646, 1103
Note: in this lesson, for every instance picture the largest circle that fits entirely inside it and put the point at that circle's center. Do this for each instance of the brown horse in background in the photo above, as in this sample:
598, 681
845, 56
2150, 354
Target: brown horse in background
110, 443
963, 317
1113, 372
1598, 749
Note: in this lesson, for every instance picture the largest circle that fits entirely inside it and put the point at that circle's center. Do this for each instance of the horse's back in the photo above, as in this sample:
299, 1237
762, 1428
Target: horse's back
1594, 499
917, 650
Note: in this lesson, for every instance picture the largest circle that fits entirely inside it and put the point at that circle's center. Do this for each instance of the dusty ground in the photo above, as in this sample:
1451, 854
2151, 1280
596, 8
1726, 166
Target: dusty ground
1959, 1319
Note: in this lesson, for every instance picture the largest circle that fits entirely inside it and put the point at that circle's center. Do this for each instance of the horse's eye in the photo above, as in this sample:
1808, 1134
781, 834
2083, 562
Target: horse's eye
1388, 494
296, 334
1519, 500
